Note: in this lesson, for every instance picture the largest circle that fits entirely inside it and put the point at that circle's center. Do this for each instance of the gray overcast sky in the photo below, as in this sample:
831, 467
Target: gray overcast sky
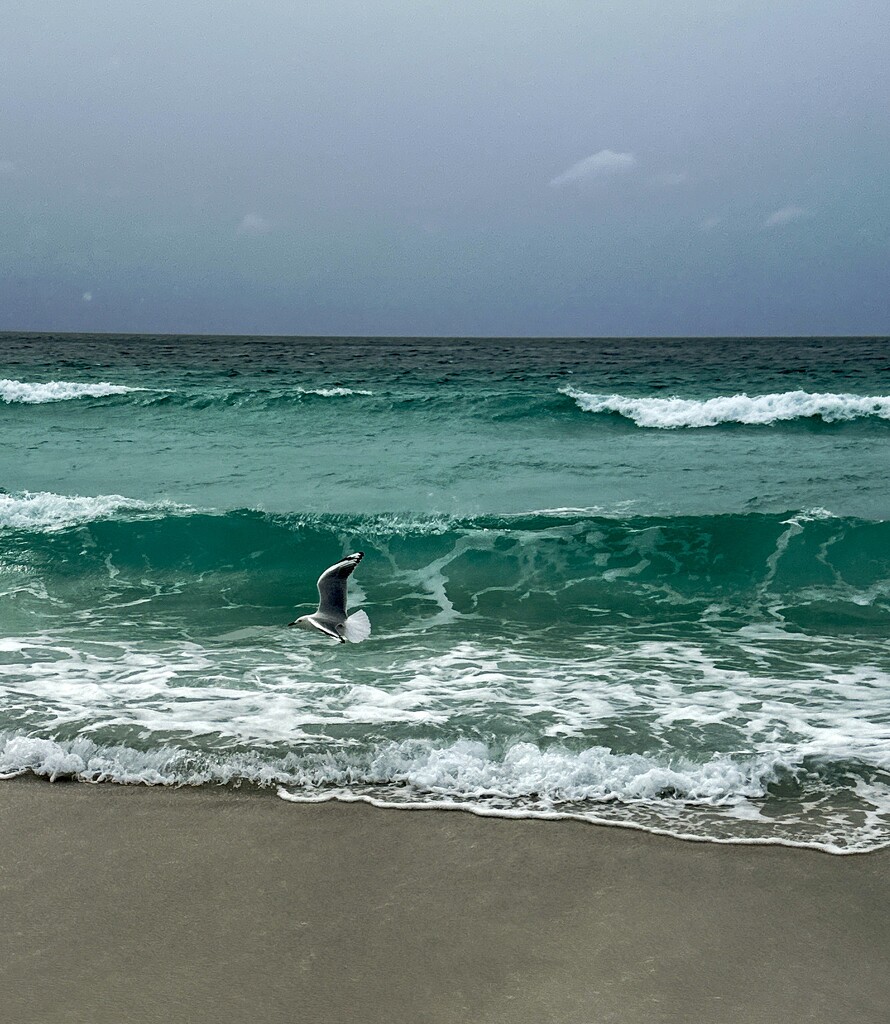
537, 168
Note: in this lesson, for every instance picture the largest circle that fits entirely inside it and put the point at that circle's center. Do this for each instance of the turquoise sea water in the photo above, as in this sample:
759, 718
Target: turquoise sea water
637, 581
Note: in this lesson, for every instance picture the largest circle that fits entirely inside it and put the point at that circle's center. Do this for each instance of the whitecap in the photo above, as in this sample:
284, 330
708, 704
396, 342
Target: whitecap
671, 413
39, 393
43, 510
334, 392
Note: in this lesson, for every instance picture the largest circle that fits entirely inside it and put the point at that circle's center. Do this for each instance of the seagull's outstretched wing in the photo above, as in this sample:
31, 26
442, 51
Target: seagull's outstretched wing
332, 586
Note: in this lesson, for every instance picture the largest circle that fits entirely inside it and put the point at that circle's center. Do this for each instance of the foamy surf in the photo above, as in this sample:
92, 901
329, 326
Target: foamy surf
483, 811
34, 393
671, 413
716, 801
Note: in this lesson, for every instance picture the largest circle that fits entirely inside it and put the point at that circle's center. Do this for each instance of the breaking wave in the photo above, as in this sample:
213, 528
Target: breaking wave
714, 677
671, 413
31, 393
336, 392
45, 511
524, 566
716, 800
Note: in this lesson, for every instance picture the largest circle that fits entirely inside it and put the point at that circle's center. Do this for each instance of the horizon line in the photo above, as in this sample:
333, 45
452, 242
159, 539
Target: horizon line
446, 337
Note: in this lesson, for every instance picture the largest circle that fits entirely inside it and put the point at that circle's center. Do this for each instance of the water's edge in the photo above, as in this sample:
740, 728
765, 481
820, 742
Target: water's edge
26, 776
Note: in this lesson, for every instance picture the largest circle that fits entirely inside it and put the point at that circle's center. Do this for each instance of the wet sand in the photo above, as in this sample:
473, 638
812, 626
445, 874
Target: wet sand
136, 905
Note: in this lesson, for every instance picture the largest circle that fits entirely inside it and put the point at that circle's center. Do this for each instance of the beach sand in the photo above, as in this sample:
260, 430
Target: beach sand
131, 905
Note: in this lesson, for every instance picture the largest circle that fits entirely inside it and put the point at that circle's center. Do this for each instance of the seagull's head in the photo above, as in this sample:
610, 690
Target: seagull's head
302, 623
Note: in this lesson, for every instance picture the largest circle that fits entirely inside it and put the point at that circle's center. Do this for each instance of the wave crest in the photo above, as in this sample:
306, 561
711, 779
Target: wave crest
44, 511
465, 769
37, 393
333, 392
671, 413
40, 393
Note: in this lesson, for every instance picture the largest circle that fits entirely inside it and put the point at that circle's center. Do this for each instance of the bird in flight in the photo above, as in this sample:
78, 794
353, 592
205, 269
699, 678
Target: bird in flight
331, 618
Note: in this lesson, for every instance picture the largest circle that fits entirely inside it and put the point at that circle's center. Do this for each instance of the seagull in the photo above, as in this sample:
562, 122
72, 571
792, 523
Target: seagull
331, 618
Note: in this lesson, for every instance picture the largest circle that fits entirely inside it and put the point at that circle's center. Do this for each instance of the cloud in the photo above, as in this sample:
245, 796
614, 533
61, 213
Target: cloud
253, 224
7, 167
606, 162
87, 296
785, 216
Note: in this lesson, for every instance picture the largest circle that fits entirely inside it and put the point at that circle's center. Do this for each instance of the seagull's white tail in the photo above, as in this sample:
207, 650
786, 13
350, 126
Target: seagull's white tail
358, 628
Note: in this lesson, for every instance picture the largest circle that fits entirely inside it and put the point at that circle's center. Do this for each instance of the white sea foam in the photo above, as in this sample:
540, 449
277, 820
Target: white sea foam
561, 511
39, 393
378, 524
467, 770
292, 715
670, 413
712, 802
43, 510
470, 770
34, 393
335, 392
865, 842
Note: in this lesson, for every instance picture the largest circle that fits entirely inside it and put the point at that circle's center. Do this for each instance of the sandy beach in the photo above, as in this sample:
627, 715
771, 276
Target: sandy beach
149, 905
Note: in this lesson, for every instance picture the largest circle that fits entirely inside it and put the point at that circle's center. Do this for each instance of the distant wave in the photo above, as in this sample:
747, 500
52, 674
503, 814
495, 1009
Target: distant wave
671, 413
37, 393
336, 392
33, 393
247, 397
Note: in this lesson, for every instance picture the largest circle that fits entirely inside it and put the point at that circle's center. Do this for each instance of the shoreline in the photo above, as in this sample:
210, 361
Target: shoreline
214, 904
325, 795
523, 815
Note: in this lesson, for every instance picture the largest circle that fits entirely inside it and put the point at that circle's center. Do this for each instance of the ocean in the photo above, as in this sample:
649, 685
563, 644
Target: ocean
639, 582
